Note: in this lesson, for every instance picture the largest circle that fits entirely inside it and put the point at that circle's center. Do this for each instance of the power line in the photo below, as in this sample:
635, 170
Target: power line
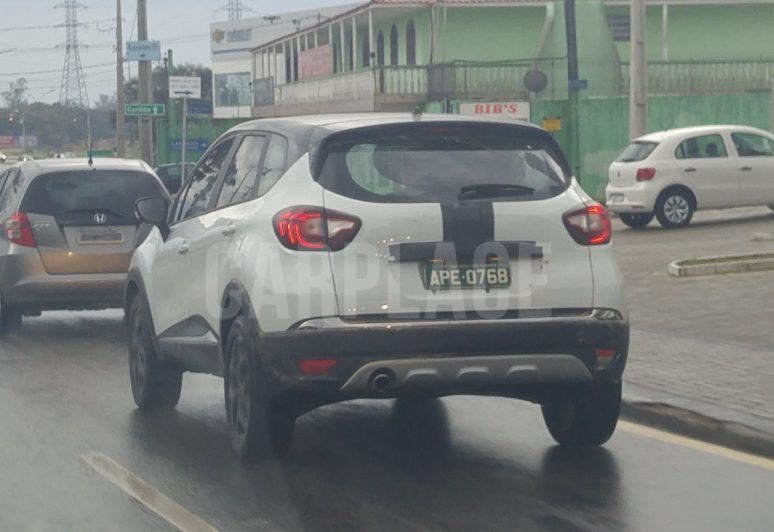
53, 71
73, 88
49, 26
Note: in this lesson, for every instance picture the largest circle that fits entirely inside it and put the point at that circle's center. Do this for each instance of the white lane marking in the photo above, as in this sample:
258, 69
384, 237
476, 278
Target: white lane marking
146, 494
697, 445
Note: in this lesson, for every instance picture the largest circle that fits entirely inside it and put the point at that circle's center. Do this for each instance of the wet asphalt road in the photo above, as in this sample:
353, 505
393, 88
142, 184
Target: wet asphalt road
458, 464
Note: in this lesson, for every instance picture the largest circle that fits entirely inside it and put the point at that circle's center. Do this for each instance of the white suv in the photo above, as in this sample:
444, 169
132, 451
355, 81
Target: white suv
671, 174
312, 260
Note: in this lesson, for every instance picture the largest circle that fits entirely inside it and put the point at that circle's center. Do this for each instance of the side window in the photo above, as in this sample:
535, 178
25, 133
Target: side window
704, 147
241, 178
751, 145
202, 182
8, 181
275, 164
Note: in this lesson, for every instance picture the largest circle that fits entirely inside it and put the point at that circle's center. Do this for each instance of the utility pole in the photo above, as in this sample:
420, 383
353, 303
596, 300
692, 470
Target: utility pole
638, 83
573, 84
120, 99
145, 89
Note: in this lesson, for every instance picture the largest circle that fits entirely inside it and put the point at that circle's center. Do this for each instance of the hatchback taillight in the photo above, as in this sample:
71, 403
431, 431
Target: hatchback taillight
589, 226
645, 174
315, 229
19, 231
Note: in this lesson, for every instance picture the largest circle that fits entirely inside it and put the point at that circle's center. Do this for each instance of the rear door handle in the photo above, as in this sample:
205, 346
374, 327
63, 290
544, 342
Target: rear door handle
745, 169
183, 249
229, 230
690, 169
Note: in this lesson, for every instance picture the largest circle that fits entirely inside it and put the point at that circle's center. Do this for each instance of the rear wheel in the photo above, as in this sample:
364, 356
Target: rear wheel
258, 427
155, 383
584, 417
10, 317
636, 221
674, 208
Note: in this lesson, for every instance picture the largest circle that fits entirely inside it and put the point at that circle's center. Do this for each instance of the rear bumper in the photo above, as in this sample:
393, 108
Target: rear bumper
449, 357
25, 282
635, 199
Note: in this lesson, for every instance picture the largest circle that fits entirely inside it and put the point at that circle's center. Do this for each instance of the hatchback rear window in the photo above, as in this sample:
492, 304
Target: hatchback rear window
441, 163
637, 151
77, 196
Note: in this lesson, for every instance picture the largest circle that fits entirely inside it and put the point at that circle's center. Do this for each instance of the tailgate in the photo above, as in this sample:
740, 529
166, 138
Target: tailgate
83, 249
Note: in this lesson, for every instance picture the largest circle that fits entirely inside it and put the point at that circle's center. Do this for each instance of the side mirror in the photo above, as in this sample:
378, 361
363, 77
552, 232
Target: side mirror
153, 210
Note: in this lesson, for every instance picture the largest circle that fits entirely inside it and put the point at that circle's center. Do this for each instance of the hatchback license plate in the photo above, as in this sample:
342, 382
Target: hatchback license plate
101, 237
444, 277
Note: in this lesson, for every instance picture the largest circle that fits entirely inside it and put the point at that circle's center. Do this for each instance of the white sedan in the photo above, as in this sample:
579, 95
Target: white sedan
671, 174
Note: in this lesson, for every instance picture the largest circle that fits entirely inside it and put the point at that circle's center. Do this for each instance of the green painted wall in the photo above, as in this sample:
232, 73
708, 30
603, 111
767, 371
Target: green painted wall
490, 34
708, 32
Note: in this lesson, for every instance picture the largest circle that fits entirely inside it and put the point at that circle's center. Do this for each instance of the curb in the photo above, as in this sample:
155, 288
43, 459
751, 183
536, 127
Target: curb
692, 424
676, 269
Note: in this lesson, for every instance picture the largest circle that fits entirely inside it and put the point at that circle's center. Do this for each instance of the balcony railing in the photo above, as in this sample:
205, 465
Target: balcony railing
674, 77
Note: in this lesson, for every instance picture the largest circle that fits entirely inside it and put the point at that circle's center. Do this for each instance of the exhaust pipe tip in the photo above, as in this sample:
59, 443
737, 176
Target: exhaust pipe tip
381, 380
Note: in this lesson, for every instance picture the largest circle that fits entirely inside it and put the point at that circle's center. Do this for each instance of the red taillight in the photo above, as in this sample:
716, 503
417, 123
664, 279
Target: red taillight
645, 174
317, 366
19, 231
590, 226
315, 229
605, 353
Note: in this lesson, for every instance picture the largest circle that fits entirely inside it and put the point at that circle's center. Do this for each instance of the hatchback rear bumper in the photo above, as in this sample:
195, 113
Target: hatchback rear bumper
25, 282
447, 357
633, 200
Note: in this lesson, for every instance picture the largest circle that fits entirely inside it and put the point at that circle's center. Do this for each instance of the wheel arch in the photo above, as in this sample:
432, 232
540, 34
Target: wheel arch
234, 302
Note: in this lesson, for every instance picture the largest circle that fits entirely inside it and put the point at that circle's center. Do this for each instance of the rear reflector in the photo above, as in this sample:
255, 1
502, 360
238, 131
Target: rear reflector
605, 353
19, 231
317, 366
590, 226
645, 174
314, 229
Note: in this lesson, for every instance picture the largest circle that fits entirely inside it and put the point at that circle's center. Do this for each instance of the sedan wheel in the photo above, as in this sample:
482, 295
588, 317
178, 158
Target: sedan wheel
636, 221
674, 209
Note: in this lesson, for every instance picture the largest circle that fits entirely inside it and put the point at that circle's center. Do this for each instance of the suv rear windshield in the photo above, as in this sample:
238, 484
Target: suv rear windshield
74, 197
442, 163
637, 151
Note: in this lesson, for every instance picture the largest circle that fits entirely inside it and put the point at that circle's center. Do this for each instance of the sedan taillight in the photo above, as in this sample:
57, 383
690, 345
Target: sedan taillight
315, 229
645, 174
590, 226
19, 231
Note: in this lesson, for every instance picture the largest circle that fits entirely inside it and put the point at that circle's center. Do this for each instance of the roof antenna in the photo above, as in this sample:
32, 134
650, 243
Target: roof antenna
416, 114
89, 140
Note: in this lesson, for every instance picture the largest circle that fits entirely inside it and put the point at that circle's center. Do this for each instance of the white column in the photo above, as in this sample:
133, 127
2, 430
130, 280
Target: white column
371, 50
638, 85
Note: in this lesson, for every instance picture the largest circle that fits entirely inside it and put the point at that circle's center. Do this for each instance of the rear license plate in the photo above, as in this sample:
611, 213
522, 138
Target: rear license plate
439, 276
616, 198
100, 237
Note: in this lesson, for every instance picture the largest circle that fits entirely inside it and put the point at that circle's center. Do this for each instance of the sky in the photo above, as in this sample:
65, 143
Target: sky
30, 45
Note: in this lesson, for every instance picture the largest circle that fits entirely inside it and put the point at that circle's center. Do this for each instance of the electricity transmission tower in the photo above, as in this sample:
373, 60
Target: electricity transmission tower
235, 9
72, 91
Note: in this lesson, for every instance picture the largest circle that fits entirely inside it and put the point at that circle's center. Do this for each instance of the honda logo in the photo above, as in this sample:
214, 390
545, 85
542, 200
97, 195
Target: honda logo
100, 218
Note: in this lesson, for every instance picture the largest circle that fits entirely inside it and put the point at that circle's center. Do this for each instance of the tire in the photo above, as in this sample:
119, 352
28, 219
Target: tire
10, 317
674, 208
155, 384
636, 221
585, 417
258, 427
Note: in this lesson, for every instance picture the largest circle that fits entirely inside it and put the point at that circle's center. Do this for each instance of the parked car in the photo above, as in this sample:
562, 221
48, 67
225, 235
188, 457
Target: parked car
311, 260
172, 175
671, 174
69, 232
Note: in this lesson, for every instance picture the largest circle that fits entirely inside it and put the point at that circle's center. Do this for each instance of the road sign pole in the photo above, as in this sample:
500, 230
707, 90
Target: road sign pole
185, 140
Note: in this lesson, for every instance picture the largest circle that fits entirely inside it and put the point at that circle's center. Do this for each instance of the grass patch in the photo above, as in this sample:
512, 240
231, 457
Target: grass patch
719, 260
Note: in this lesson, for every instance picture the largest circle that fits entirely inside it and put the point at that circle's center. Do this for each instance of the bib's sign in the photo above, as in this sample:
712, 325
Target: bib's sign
512, 110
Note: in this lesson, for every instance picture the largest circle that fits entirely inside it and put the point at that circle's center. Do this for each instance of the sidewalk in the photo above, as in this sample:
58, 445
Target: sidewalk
702, 349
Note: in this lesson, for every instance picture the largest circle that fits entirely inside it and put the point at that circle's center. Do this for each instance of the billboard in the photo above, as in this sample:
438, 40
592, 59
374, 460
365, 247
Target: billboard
512, 110
143, 51
315, 62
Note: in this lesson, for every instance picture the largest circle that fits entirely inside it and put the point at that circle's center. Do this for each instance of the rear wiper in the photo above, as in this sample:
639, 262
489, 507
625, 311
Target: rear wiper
96, 210
627, 160
490, 190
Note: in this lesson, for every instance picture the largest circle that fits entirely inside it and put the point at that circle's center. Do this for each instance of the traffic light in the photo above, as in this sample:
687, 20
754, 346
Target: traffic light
10, 118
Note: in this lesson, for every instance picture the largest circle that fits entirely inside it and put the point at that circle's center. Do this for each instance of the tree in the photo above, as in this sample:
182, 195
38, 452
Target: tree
16, 94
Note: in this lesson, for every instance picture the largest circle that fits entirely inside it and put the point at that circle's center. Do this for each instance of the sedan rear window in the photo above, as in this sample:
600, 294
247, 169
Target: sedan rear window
441, 163
75, 197
637, 151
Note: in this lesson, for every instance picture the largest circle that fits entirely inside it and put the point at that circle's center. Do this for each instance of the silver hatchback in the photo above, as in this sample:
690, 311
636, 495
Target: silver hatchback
69, 233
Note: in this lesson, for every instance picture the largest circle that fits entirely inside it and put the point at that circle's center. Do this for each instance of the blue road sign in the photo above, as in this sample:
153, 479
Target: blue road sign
190, 145
199, 108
